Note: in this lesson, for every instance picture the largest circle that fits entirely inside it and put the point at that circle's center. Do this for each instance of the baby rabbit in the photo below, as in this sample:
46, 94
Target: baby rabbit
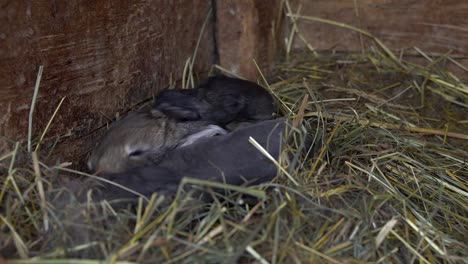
220, 100
228, 158
142, 137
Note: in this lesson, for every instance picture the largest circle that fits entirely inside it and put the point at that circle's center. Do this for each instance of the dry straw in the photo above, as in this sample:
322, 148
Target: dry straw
385, 182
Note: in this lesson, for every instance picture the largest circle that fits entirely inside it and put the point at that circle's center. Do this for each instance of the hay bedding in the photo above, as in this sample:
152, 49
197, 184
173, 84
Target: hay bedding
385, 182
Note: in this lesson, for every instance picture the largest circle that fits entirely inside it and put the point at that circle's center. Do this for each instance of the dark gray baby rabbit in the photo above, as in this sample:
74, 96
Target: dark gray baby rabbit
228, 158
143, 137
220, 100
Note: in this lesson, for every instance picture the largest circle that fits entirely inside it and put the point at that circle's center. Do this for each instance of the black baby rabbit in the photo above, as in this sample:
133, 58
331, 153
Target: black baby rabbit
220, 100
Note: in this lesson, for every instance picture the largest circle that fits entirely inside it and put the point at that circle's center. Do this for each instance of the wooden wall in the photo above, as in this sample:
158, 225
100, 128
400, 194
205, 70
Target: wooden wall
433, 26
104, 55
101, 55
247, 30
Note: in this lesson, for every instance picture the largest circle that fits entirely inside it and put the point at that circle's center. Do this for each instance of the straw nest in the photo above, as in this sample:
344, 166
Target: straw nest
385, 182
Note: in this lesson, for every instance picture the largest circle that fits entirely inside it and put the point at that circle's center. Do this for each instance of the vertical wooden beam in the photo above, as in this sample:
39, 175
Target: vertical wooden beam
244, 32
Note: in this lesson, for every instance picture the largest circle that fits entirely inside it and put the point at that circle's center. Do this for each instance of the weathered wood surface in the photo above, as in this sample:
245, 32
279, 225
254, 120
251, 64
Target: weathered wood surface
102, 55
244, 32
432, 25
105, 55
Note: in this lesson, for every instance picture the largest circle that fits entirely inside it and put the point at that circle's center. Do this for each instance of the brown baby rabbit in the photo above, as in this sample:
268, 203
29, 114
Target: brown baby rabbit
142, 137
221, 100
227, 158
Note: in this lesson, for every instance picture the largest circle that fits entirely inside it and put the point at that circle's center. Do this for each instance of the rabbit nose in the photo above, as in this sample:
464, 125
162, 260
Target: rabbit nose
94, 169
99, 171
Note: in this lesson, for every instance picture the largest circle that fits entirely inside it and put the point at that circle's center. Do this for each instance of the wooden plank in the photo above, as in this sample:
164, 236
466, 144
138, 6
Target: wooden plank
432, 25
244, 32
102, 55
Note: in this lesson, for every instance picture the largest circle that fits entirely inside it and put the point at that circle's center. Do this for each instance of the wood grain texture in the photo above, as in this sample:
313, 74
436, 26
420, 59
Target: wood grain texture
105, 55
432, 25
244, 31
102, 55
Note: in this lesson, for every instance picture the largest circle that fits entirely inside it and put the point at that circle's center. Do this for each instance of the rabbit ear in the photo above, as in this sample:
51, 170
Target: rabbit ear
156, 113
209, 131
179, 112
178, 104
